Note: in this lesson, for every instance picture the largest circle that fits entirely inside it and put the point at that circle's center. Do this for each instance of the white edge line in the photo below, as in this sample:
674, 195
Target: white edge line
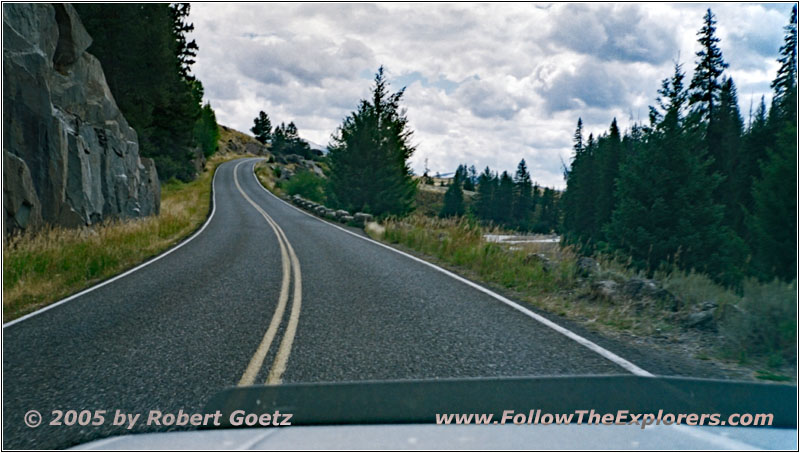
129, 271
562, 330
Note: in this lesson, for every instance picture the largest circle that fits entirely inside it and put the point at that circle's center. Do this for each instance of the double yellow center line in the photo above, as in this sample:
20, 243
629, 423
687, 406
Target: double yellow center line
290, 265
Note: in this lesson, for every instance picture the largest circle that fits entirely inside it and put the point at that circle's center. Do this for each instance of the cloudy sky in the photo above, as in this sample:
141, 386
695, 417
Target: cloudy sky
486, 84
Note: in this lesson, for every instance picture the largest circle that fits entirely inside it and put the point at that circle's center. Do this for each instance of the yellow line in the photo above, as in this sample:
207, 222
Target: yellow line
249, 376
282, 357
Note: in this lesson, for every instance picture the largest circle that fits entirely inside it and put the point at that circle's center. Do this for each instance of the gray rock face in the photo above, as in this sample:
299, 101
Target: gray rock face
255, 148
70, 157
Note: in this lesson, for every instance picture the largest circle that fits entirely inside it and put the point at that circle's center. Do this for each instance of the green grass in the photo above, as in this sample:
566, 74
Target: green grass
41, 268
460, 243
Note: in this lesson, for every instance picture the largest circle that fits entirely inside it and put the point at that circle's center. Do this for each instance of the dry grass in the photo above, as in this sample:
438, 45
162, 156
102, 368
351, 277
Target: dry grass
41, 268
460, 243
267, 175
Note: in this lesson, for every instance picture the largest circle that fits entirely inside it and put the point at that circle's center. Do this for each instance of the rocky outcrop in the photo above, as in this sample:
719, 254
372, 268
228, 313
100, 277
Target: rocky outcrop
69, 156
233, 141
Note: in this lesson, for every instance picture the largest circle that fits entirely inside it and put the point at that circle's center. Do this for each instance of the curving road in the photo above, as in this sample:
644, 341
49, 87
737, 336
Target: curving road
265, 293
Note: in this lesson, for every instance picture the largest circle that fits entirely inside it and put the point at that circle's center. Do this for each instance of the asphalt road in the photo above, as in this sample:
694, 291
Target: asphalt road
171, 334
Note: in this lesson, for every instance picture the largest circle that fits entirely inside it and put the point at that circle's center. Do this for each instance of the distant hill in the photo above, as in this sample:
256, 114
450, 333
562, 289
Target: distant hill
317, 146
233, 141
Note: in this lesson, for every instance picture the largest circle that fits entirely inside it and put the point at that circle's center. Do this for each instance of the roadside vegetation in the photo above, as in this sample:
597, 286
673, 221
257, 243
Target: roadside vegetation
751, 335
46, 266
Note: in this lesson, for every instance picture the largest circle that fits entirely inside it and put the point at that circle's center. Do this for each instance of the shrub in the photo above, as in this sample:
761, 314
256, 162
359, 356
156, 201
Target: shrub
308, 185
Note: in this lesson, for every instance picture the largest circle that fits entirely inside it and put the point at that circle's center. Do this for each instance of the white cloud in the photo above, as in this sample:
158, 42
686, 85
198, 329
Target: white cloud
488, 84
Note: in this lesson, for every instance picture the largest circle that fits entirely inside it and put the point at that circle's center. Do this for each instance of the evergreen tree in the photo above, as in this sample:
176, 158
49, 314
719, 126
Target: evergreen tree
370, 153
484, 205
185, 51
262, 127
454, 197
523, 197
580, 197
705, 87
504, 200
725, 139
786, 79
472, 178
609, 157
207, 131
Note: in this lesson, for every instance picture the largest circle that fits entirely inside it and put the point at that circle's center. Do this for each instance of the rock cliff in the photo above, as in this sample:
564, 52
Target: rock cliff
69, 156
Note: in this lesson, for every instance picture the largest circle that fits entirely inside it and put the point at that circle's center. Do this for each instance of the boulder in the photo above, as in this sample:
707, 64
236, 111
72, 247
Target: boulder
341, 213
294, 159
346, 218
701, 319
286, 174
73, 158
313, 167
362, 218
587, 266
606, 289
233, 146
255, 148
636, 287
541, 260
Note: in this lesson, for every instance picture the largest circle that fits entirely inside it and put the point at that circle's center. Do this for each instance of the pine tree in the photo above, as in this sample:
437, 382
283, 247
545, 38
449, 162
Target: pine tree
472, 179
484, 205
504, 200
705, 87
580, 197
523, 197
725, 149
454, 197
185, 51
207, 131
787, 73
370, 153
262, 127
609, 158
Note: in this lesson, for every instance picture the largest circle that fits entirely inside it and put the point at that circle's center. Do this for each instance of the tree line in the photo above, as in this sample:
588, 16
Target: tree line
696, 187
284, 139
147, 60
512, 202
